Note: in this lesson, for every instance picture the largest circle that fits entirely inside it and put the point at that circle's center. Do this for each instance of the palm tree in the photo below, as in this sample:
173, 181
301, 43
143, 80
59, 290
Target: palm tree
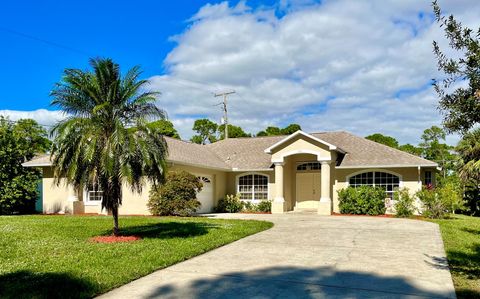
469, 151
105, 141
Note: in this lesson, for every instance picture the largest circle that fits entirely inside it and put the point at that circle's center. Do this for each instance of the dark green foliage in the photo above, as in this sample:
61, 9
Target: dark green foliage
469, 169
229, 204
164, 127
411, 149
363, 200
177, 196
404, 203
383, 139
233, 132
206, 131
19, 142
264, 206
96, 145
276, 131
461, 107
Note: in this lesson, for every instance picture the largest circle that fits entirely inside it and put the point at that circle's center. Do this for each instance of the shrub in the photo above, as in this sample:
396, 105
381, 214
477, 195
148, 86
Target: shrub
264, 206
432, 205
229, 204
363, 200
177, 196
437, 202
404, 203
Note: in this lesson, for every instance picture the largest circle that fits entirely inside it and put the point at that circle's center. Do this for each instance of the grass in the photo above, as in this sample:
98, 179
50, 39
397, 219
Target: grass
461, 236
52, 257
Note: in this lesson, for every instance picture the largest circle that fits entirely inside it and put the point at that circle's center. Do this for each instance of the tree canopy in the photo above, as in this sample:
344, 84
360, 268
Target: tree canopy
206, 131
276, 131
95, 146
435, 149
233, 132
383, 139
19, 142
164, 127
460, 106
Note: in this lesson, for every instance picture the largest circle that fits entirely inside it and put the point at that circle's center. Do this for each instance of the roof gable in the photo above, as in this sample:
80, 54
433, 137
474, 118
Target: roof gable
294, 135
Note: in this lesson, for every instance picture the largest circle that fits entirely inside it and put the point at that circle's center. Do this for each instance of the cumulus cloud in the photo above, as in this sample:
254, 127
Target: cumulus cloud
362, 66
46, 118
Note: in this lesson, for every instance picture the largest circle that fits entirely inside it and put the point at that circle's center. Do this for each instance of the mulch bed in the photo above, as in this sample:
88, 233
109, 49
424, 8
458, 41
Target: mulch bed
114, 239
255, 212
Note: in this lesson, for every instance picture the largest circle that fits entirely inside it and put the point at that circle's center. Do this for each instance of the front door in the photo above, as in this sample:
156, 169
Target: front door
307, 190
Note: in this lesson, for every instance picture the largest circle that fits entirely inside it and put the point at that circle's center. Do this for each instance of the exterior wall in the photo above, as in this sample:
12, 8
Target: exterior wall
409, 178
56, 198
299, 144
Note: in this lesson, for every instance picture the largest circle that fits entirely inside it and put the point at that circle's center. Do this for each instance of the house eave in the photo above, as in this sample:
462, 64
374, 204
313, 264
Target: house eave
299, 132
387, 166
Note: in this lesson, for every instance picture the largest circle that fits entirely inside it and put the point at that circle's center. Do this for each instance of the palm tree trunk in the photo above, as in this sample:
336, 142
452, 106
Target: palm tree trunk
116, 230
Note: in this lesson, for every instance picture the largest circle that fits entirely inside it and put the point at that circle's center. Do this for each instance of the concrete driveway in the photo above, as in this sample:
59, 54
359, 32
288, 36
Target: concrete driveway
311, 256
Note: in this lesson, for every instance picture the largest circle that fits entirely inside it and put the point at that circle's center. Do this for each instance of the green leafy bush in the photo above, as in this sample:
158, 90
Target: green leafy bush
432, 204
438, 202
19, 142
229, 204
264, 206
404, 203
363, 200
177, 196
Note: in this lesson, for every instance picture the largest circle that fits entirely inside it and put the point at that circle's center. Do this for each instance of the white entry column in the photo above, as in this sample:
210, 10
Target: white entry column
278, 204
325, 205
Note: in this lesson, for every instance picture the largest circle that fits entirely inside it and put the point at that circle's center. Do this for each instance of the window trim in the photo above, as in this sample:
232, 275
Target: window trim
87, 201
425, 177
237, 185
400, 177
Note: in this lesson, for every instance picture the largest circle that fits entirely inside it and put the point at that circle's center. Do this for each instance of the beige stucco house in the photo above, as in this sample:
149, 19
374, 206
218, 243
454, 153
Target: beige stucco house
296, 172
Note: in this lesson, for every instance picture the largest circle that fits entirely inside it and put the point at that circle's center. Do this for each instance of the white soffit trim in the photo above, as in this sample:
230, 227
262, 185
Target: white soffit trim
28, 164
384, 166
299, 132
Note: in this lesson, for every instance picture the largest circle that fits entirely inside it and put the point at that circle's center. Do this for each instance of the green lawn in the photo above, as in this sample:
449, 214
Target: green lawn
461, 236
51, 256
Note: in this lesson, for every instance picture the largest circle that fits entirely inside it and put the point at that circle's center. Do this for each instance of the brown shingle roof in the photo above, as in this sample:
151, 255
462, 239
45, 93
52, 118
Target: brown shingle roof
248, 153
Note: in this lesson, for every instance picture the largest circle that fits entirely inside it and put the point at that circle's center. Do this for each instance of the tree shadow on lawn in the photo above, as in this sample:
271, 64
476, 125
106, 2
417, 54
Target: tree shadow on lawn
167, 230
27, 284
466, 264
295, 282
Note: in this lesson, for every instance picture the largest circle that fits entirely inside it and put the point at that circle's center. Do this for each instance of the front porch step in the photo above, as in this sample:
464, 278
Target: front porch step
304, 211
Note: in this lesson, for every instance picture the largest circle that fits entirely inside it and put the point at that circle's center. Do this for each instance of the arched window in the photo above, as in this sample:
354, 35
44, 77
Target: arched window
385, 180
253, 187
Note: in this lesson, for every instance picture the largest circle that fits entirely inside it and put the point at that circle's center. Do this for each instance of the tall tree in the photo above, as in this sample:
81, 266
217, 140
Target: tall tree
19, 142
206, 131
95, 146
233, 132
469, 168
461, 106
411, 149
290, 129
434, 148
164, 127
383, 139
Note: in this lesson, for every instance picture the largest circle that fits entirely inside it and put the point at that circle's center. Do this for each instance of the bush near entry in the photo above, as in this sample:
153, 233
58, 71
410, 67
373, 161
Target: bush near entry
177, 196
362, 200
232, 204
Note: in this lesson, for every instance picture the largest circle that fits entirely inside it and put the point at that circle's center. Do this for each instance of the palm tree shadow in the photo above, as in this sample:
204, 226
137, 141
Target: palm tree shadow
167, 230
296, 282
27, 284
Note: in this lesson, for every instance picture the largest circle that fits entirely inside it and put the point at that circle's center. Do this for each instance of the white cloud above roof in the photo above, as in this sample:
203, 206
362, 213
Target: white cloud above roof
362, 66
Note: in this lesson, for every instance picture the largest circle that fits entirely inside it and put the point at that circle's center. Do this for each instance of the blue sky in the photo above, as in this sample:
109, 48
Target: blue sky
360, 66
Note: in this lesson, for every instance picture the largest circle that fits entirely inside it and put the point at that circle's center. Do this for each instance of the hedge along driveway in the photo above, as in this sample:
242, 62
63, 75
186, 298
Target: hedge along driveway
51, 256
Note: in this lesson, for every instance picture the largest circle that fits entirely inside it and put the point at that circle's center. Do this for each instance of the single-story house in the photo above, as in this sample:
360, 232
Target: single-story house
296, 172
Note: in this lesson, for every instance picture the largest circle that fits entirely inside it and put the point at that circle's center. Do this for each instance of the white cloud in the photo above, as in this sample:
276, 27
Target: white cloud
44, 117
362, 66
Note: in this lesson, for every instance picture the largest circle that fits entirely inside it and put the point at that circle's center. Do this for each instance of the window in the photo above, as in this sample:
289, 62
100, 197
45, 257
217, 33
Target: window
94, 195
309, 166
428, 177
253, 187
385, 180
204, 179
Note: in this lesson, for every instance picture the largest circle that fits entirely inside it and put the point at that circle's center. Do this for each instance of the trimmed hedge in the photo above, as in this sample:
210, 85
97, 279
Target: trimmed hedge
362, 200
